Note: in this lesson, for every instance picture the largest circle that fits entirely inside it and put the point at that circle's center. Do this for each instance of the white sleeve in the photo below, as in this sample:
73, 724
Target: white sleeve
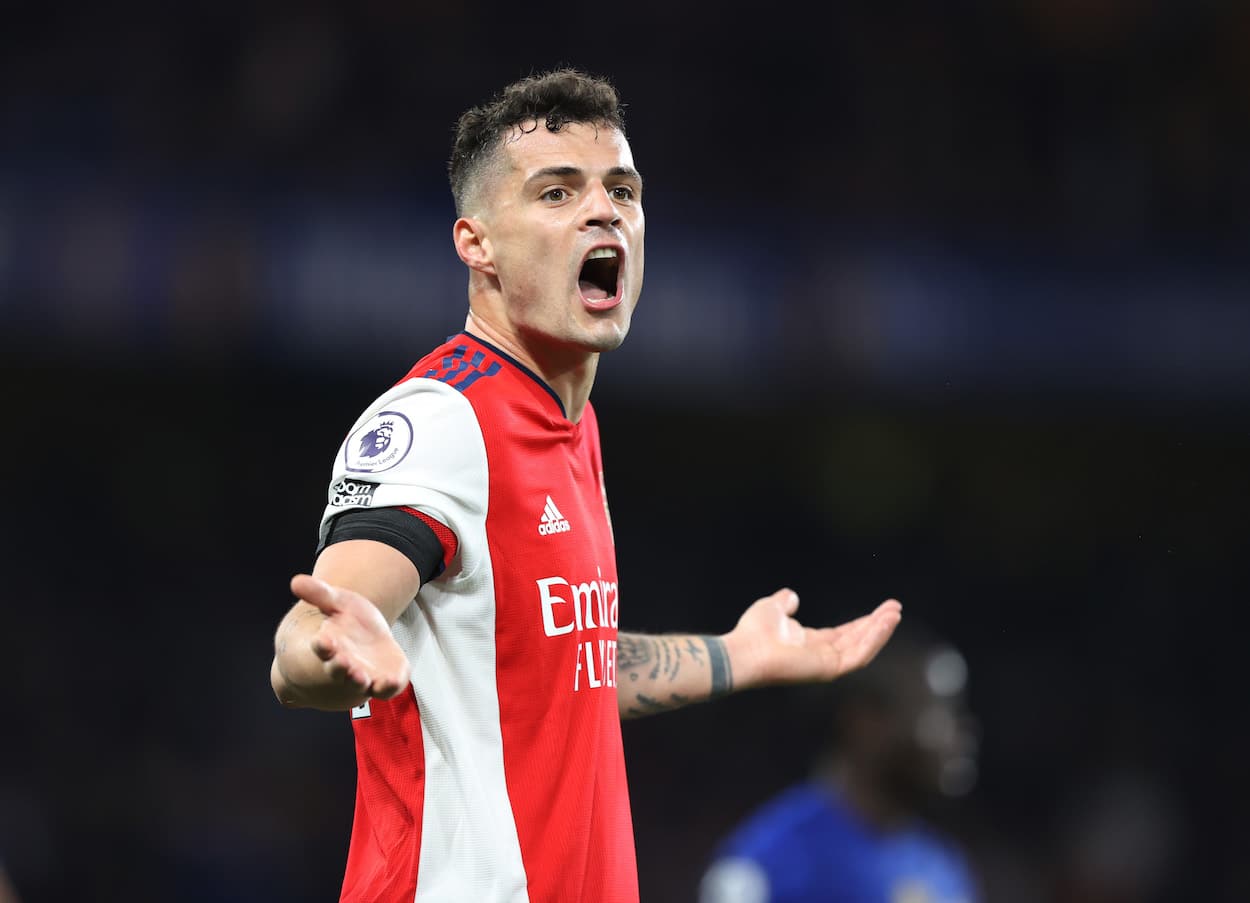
420, 446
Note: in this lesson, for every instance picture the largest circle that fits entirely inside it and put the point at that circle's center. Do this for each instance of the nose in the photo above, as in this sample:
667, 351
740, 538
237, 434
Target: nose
599, 209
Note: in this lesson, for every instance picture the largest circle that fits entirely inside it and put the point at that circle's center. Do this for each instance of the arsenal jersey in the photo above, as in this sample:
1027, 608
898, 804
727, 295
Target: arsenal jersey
499, 774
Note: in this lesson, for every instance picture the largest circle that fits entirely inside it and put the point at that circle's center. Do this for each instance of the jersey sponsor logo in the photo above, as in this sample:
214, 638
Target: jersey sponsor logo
352, 494
381, 443
591, 604
552, 520
569, 606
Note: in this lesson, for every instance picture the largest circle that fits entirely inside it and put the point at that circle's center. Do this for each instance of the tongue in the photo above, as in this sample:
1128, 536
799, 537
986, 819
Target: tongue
592, 292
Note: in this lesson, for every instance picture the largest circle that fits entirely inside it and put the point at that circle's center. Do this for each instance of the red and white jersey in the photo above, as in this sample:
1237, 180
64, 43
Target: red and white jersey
500, 776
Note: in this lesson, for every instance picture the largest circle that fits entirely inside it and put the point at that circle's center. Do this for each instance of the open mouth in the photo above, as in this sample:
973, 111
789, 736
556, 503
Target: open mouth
598, 281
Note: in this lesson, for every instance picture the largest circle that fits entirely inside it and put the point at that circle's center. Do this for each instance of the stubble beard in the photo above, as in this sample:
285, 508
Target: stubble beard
575, 337
601, 340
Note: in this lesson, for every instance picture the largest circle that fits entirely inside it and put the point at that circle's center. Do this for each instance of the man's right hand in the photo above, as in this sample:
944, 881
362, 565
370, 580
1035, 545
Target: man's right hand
334, 649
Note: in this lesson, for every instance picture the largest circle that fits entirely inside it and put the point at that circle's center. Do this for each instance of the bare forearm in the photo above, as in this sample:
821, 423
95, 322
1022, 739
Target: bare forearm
660, 673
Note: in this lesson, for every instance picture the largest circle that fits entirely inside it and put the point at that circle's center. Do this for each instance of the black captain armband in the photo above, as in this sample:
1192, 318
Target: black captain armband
395, 527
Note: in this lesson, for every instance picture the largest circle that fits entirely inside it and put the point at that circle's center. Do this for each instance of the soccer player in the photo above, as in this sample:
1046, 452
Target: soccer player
464, 603
901, 740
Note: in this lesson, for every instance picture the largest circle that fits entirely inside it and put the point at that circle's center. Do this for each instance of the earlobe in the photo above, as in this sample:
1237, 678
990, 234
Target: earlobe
473, 246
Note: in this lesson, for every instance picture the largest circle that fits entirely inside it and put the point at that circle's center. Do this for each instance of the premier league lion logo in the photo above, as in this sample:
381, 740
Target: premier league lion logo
379, 443
374, 442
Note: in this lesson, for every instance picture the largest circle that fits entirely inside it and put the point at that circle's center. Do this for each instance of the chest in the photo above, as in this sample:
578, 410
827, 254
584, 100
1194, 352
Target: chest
557, 602
547, 510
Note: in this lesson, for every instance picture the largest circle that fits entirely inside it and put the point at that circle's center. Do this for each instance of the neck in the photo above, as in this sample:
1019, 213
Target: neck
570, 373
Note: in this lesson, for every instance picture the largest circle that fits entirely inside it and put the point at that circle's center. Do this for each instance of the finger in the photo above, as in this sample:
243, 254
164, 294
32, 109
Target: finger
791, 632
848, 632
391, 676
325, 644
789, 600
856, 643
889, 605
388, 688
347, 669
878, 630
315, 592
889, 612
384, 689
888, 615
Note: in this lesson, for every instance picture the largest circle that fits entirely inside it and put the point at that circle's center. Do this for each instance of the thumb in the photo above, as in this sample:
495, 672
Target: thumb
789, 600
315, 591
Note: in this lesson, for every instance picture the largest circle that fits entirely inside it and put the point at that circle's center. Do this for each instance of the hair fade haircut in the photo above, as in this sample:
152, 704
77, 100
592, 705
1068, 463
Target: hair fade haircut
553, 99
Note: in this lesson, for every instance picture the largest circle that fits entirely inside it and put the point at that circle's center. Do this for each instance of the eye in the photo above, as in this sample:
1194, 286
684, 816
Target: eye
622, 193
555, 194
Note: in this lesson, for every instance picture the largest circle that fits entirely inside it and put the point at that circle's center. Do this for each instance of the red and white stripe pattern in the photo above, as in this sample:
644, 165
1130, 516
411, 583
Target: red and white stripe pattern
500, 776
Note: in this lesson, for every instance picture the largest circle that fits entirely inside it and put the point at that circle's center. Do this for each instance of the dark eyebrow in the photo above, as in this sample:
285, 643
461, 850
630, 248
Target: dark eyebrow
565, 172
628, 172
547, 172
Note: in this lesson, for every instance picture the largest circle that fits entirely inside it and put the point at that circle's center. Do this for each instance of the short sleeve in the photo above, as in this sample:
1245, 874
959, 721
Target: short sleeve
418, 446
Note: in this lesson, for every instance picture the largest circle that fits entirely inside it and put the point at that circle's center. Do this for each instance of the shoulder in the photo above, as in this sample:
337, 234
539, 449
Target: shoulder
439, 381
461, 363
768, 852
406, 415
420, 445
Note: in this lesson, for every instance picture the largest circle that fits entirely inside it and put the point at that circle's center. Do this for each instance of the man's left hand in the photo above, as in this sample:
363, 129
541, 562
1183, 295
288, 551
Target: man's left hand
769, 646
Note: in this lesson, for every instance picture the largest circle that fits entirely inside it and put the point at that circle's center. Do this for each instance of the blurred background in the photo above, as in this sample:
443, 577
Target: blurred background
948, 302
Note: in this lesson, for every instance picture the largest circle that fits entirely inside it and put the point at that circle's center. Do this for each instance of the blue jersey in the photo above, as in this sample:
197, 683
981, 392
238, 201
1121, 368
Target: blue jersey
806, 846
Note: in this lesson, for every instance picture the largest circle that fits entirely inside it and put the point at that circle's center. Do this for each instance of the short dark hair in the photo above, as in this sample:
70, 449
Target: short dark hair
555, 99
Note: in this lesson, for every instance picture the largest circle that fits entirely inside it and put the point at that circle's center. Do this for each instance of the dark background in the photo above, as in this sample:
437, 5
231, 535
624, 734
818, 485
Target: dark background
948, 302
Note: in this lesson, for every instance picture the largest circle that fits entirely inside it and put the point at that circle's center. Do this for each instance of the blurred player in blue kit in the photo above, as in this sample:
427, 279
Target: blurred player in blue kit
901, 742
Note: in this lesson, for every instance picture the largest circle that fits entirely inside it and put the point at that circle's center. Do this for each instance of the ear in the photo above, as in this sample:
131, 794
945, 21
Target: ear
472, 244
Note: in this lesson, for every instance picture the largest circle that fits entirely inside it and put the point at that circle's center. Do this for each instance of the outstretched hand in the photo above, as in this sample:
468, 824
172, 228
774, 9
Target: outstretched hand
769, 646
353, 642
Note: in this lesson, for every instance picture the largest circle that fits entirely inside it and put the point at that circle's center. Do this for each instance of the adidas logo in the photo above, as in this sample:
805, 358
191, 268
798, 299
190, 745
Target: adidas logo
552, 520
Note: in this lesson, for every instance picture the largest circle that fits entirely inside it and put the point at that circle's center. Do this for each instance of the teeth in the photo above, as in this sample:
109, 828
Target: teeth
598, 253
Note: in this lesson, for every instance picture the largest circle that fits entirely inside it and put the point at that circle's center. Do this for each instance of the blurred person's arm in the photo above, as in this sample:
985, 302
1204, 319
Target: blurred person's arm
657, 673
334, 649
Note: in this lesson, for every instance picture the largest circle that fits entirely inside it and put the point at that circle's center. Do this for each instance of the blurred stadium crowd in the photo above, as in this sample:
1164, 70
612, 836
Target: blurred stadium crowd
1029, 192
945, 301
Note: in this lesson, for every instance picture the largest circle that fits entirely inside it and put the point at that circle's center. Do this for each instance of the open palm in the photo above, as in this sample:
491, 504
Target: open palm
354, 641
776, 648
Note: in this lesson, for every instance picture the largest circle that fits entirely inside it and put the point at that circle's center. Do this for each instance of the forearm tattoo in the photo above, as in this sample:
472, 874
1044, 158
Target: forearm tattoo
722, 673
659, 659
288, 626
